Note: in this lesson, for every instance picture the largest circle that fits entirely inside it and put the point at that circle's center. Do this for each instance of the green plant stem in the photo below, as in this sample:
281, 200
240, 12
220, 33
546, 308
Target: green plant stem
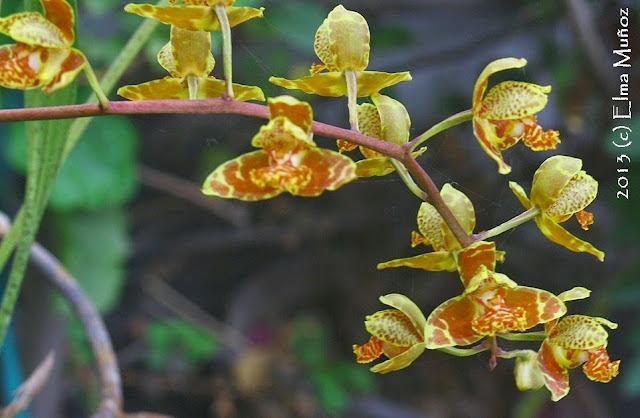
515, 353
510, 224
225, 29
113, 74
524, 336
407, 180
95, 85
453, 120
225, 106
464, 352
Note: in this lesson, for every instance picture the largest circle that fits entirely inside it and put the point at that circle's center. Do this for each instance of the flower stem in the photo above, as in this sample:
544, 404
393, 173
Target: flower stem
113, 74
524, 336
408, 180
352, 97
452, 120
510, 224
221, 13
465, 352
95, 85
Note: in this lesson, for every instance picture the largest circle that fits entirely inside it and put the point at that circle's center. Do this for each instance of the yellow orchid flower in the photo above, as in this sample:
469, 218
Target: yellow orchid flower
289, 160
342, 44
386, 119
196, 14
187, 57
43, 56
491, 303
435, 232
397, 333
507, 113
575, 340
560, 189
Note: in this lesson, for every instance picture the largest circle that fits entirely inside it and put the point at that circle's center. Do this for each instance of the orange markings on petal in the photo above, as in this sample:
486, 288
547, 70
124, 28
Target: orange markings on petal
585, 219
599, 367
556, 377
450, 324
60, 13
471, 258
368, 351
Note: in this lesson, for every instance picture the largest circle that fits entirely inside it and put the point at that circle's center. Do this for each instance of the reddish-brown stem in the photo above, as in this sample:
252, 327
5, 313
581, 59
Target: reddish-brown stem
226, 106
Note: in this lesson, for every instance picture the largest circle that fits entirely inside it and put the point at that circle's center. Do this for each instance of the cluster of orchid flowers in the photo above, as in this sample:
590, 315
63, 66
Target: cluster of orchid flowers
288, 160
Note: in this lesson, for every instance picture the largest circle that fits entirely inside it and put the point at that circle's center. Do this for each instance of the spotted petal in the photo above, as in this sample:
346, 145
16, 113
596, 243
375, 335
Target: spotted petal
333, 84
492, 68
174, 88
580, 332
33, 29
513, 100
436, 261
551, 178
233, 179
470, 259
559, 235
193, 17
187, 53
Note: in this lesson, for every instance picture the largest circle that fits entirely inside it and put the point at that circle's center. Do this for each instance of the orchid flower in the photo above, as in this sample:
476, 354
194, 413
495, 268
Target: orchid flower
43, 56
397, 333
187, 57
491, 303
342, 44
575, 340
435, 232
507, 113
289, 160
560, 189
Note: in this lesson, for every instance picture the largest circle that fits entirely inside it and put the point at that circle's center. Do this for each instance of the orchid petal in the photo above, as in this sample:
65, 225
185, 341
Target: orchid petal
333, 84
407, 307
233, 179
394, 327
331, 171
450, 324
556, 377
342, 41
33, 29
436, 261
300, 113
559, 235
193, 17
513, 100
580, 332
484, 132
520, 194
368, 351
599, 367
60, 13
480, 253
492, 68
399, 361
551, 178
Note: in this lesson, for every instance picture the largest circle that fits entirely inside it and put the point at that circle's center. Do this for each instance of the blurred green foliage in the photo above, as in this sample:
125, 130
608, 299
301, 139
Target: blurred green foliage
167, 338
333, 380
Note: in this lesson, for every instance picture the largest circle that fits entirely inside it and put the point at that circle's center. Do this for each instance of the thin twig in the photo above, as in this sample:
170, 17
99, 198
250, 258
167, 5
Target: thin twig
234, 213
111, 402
30, 388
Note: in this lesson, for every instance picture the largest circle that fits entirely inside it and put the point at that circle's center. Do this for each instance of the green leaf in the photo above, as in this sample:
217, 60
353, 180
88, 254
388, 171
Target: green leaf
94, 247
99, 172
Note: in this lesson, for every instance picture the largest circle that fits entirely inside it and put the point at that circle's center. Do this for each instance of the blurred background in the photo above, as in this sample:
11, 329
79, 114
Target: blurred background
232, 309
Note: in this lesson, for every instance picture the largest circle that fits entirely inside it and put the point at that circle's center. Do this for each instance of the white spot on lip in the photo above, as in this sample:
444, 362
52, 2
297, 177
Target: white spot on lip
34, 61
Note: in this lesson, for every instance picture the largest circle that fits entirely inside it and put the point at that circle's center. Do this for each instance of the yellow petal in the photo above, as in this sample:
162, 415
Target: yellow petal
407, 307
492, 68
430, 226
33, 29
393, 327
580, 332
333, 84
281, 137
559, 235
193, 17
211, 87
462, 209
400, 361
551, 178
520, 194
395, 123
190, 53
436, 261
577, 194
342, 41
513, 100
166, 88
484, 132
